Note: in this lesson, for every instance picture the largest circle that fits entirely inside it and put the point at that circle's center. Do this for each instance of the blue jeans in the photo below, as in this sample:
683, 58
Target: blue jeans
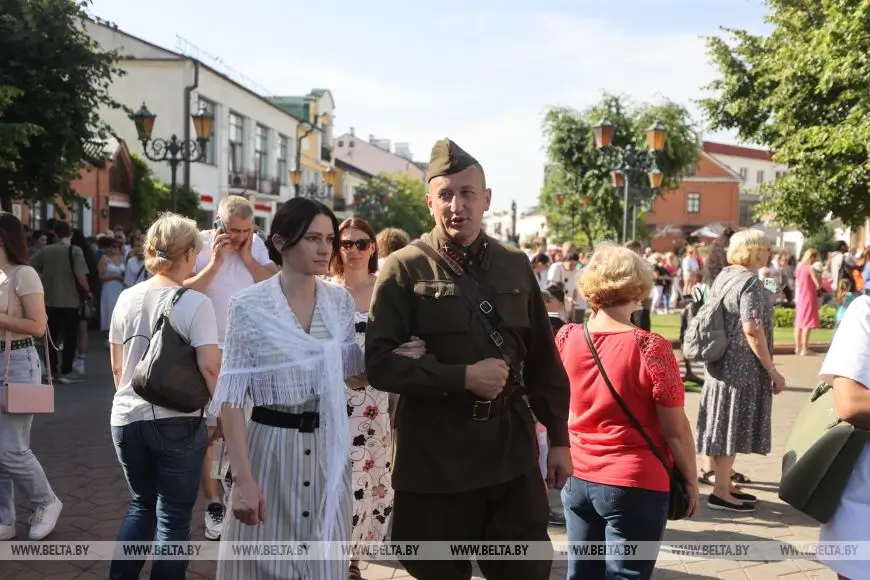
596, 512
162, 463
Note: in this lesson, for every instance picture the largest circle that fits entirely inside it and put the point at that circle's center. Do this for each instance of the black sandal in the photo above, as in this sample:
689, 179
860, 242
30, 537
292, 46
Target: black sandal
736, 477
705, 478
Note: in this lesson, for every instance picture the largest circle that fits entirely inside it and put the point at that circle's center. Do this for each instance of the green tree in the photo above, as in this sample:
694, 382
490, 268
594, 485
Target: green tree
580, 175
802, 92
823, 239
151, 196
394, 200
53, 82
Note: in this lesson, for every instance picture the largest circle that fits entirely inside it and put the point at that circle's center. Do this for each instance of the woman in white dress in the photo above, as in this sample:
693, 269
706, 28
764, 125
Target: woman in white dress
847, 368
354, 267
290, 350
111, 268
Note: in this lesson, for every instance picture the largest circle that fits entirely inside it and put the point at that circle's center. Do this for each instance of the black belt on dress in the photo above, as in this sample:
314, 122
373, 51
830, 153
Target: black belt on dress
17, 344
304, 422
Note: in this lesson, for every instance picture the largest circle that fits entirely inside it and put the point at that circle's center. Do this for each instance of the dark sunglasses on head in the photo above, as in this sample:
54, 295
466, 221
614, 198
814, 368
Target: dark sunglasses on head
361, 245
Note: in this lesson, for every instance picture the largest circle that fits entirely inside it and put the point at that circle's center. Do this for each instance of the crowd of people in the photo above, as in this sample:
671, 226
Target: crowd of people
362, 385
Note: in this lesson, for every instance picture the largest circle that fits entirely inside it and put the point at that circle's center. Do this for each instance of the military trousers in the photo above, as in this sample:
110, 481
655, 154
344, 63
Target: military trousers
515, 511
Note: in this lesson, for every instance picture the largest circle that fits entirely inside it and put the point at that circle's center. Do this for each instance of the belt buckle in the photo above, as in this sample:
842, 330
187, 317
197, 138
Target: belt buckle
308, 422
476, 406
486, 307
496, 338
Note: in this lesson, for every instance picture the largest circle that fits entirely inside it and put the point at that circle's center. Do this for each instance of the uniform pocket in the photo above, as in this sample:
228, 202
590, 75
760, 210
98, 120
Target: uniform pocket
512, 305
440, 308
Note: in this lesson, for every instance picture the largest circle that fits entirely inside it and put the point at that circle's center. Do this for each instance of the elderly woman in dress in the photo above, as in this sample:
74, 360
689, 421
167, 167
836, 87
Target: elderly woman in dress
737, 398
291, 350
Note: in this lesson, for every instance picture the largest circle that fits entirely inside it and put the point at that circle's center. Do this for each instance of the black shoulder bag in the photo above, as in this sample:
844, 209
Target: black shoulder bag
679, 504
479, 305
168, 375
87, 308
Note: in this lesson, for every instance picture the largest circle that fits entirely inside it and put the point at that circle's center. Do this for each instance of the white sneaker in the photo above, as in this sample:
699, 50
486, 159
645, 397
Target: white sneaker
214, 521
79, 365
44, 519
7, 531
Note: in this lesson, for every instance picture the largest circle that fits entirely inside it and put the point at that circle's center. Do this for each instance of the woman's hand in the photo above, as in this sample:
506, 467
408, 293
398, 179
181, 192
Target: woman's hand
415, 348
778, 381
249, 505
693, 494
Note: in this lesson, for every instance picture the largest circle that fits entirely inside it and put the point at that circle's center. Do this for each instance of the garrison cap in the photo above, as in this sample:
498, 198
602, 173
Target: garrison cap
448, 158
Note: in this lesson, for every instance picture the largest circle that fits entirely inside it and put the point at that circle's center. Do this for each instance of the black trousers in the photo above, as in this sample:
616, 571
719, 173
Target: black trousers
511, 512
63, 323
641, 319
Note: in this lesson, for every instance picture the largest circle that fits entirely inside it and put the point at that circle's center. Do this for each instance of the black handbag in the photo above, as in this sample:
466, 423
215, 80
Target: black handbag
87, 308
168, 375
678, 508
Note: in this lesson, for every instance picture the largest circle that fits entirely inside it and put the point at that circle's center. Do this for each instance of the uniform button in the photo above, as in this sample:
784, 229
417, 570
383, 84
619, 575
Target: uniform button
307, 452
438, 294
305, 514
306, 483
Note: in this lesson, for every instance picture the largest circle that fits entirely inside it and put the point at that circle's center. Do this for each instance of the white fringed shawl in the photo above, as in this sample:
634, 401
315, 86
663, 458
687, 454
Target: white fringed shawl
269, 360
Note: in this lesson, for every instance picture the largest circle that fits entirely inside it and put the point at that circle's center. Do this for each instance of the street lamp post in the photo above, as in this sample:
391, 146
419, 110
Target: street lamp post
312, 190
173, 150
573, 208
630, 160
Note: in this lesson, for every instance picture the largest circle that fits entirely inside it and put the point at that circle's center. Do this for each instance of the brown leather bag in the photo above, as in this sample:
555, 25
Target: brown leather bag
168, 374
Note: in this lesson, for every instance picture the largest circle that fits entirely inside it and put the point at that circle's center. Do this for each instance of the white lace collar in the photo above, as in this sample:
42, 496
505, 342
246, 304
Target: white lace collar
269, 360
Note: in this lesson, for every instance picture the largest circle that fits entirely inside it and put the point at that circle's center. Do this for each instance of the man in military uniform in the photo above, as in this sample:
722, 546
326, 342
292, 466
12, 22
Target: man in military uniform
465, 466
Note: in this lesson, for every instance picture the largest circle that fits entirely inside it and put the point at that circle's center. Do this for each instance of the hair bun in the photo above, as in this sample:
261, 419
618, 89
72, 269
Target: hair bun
274, 254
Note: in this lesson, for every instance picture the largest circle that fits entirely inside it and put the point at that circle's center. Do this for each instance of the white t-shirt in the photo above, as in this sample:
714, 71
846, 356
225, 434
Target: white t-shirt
849, 356
559, 274
192, 317
230, 278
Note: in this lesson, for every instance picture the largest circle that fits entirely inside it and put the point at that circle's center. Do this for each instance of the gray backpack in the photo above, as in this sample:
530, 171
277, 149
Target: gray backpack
705, 339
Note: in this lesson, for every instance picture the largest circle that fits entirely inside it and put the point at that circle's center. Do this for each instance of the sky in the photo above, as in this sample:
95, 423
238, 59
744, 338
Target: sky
480, 72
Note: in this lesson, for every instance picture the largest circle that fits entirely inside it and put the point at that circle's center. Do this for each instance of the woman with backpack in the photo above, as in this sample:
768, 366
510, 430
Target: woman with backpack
737, 399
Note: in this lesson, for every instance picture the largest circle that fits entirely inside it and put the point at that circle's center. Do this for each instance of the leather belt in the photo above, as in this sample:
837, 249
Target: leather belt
17, 344
486, 410
304, 422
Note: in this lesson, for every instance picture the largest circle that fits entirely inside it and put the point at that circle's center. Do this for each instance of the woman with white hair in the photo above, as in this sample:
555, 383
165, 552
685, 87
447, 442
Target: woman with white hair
737, 398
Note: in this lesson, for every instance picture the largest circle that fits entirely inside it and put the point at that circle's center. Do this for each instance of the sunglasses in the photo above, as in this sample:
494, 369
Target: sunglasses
361, 245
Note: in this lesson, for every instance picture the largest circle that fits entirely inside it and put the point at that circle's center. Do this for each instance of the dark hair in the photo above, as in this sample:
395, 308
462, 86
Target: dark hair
78, 239
555, 291
292, 220
14, 239
633, 245
62, 229
336, 264
841, 246
717, 256
391, 240
540, 259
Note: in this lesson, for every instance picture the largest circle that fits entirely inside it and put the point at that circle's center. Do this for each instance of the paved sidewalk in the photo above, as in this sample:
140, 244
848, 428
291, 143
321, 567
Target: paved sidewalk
75, 447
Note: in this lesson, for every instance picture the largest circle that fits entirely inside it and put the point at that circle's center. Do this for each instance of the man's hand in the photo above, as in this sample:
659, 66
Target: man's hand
219, 248
559, 467
246, 251
486, 378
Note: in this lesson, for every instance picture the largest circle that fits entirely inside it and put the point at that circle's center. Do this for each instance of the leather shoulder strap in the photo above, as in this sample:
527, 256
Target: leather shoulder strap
7, 348
470, 292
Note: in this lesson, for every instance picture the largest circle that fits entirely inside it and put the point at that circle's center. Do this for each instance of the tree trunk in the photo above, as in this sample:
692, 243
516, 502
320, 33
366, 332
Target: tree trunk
5, 199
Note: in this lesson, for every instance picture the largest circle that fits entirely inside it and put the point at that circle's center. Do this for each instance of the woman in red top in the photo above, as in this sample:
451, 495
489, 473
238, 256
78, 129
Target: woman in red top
619, 490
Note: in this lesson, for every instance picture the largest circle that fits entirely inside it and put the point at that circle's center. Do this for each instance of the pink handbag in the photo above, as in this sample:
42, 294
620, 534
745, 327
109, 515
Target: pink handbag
24, 398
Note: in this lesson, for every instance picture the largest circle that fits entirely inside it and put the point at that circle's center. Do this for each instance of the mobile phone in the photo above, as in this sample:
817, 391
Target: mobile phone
219, 226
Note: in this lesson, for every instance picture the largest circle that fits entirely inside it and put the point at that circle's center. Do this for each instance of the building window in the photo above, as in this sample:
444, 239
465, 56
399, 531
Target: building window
693, 203
35, 215
210, 156
743, 173
760, 176
261, 151
282, 159
75, 214
778, 175
236, 142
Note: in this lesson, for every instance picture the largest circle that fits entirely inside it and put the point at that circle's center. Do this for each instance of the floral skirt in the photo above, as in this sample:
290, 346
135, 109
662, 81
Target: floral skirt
371, 454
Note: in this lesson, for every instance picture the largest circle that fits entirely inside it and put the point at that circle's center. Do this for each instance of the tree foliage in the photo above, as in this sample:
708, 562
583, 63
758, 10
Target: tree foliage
578, 171
802, 92
394, 200
53, 81
151, 196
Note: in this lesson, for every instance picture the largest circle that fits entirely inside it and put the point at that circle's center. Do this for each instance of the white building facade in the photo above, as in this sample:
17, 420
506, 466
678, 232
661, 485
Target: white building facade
531, 224
253, 145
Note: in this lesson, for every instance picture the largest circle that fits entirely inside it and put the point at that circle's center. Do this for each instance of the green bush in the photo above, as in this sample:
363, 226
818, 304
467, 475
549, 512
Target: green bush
784, 317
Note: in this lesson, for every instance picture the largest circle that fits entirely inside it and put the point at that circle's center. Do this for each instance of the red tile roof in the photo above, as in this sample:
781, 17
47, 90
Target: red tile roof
736, 151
